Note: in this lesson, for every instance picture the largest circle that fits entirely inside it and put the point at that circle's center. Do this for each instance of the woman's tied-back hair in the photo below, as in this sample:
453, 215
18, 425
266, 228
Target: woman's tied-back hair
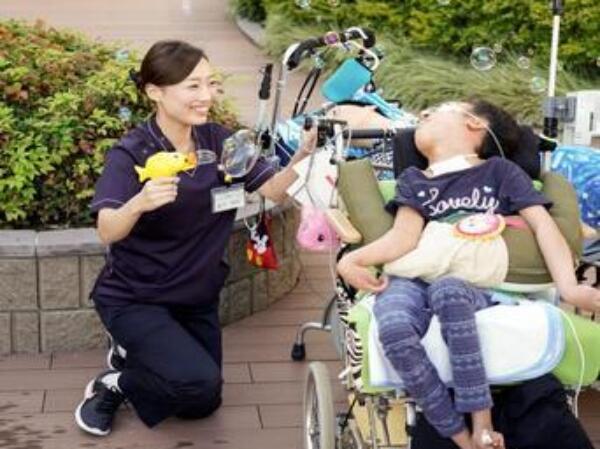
502, 124
166, 63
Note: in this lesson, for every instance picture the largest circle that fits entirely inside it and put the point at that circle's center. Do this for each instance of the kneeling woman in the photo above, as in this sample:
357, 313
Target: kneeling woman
158, 293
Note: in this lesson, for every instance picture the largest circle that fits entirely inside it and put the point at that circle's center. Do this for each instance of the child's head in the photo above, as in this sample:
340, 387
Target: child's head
473, 126
501, 124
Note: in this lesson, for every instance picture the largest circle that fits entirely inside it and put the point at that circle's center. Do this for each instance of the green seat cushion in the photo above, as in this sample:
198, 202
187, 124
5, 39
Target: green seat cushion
387, 188
359, 318
365, 200
570, 367
568, 371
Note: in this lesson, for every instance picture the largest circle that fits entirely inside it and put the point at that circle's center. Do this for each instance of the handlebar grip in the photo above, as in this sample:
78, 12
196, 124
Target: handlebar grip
350, 34
265, 85
374, 133
329, 38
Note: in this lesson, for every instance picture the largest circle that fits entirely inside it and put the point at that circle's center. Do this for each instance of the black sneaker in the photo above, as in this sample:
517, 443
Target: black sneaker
100, 402
115, 358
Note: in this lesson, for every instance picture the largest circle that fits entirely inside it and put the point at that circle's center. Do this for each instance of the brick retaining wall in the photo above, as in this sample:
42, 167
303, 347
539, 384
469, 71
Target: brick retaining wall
46, 277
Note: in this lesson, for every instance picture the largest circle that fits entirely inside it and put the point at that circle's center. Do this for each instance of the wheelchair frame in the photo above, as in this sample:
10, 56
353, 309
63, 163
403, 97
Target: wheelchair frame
365, 424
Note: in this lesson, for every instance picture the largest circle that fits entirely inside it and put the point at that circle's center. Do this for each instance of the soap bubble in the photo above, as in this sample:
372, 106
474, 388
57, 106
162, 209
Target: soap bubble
523, 62
498, 47
240, 153
530, 51
124, 113
318, 61
379, 50
443, 2
483, 58
304, 4
333, 3
537, 84
598, 61
122, 55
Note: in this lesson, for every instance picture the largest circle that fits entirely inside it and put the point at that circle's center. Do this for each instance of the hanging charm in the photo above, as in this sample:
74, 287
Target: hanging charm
260, 250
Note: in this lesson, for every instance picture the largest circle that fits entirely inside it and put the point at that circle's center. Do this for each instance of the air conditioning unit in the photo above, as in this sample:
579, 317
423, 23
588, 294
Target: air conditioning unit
585, 128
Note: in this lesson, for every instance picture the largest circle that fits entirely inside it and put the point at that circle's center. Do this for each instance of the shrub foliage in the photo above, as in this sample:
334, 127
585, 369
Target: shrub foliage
420, 78
253, 10
455, 27
64, 100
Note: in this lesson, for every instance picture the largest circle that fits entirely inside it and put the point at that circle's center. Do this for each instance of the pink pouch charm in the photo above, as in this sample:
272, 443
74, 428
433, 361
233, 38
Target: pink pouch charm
315, 233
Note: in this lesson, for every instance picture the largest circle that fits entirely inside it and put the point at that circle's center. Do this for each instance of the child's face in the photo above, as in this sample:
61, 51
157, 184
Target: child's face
442, 123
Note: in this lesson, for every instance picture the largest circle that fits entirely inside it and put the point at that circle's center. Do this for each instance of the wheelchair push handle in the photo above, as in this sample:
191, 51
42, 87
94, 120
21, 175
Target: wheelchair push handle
297, 51
265, 86
373, 133
325, 127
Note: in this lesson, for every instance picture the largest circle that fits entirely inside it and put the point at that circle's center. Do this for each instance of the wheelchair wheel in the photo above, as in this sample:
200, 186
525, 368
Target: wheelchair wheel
346, 437
319, 419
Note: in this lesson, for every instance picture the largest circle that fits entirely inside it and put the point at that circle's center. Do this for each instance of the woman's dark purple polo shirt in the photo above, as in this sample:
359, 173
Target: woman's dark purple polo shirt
174, 254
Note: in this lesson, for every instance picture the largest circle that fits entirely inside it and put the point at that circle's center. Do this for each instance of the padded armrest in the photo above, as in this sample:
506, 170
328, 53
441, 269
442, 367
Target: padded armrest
525, 261
359, 190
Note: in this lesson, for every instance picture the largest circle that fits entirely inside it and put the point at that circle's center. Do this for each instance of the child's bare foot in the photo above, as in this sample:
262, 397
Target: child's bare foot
487, 439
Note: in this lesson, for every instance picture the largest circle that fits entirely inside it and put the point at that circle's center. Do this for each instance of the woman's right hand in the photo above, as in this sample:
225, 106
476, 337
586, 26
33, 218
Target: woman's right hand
360, 277
156, 193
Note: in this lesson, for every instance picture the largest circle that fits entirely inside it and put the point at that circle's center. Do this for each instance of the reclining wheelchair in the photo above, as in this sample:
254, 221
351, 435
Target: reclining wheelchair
382, 416
379, 415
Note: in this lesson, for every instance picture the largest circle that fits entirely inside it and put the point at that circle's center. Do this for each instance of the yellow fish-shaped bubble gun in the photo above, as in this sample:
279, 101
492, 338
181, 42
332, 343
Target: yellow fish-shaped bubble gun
165, 164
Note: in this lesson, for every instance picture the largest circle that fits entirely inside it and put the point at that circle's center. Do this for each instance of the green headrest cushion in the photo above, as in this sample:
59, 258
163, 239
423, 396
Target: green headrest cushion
365, 201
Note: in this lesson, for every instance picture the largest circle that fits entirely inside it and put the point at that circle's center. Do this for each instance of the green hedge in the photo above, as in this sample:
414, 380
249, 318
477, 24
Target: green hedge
64, 100
419, 78
522, 26
253, 10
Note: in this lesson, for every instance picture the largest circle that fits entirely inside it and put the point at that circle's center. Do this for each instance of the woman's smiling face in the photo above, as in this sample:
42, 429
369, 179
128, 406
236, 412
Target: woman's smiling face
189, 101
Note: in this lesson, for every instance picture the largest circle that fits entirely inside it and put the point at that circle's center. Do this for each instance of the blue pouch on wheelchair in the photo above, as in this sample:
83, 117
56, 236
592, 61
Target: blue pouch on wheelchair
346, 81
581, 166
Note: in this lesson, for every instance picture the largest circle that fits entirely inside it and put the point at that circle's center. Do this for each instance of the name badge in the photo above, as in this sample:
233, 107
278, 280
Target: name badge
227, 198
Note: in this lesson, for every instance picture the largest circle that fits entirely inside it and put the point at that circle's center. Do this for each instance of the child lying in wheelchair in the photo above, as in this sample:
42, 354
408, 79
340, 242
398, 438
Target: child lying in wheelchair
460, 141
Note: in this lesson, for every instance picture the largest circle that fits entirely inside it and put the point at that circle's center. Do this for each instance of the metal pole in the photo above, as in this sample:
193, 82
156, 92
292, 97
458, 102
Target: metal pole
550, 132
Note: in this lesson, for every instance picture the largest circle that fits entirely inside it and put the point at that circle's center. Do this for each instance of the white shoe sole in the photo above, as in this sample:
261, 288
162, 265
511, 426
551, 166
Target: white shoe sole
111, 351
87, 394
109, 357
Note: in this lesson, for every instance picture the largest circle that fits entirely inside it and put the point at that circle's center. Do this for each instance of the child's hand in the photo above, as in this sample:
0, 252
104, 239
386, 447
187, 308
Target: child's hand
583, 296
360, 277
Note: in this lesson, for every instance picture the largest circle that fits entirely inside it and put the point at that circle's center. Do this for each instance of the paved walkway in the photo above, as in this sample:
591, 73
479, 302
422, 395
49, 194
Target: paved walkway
139, 23
262, 394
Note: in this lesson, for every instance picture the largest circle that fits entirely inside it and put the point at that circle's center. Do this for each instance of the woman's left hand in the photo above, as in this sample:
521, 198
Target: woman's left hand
308, 143
276, 187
